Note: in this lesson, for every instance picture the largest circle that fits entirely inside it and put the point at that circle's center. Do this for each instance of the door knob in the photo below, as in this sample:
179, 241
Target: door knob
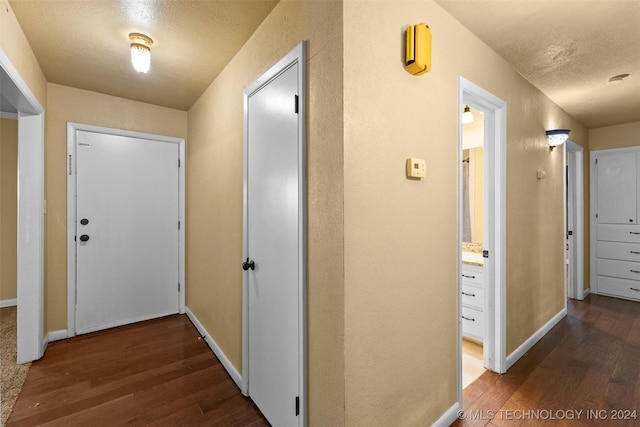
248, 265
84, 237
84, 221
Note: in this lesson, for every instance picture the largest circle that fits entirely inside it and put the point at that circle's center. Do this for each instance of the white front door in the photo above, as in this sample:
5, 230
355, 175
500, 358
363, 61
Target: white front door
273, 209
126, 230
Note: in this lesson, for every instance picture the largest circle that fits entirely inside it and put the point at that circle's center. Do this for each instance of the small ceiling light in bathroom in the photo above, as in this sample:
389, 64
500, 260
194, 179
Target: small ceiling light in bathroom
467, 116
617, 79
140, 52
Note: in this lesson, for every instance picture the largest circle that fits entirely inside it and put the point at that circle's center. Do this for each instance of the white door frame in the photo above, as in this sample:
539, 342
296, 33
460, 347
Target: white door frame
495, 144
574, 209
72, 129
297, 54
30, 242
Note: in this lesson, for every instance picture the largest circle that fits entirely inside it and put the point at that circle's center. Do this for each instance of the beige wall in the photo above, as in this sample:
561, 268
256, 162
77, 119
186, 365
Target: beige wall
65, 104
8, 207
17, 48
619, 136
214, 195
401, 235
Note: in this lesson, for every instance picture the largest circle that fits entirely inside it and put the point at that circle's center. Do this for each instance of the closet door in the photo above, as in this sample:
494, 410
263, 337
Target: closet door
617, 188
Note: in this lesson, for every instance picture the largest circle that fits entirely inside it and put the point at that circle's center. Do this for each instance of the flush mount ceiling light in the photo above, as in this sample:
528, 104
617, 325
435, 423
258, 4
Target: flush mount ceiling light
467, 116
557, 137
140, 52
617, 79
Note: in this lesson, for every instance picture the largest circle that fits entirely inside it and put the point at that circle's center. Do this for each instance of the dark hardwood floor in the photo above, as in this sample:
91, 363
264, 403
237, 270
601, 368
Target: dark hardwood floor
157, 373
589, 362
161, 373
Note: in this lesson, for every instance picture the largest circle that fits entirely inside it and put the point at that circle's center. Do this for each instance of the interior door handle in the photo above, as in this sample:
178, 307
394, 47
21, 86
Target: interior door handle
84, 237
248, 265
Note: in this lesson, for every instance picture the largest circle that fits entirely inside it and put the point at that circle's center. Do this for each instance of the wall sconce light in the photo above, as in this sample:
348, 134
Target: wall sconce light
467, 116
140, 52
557, 137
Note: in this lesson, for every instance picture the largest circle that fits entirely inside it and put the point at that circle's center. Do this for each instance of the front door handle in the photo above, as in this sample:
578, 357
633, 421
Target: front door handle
248, 265
84, 237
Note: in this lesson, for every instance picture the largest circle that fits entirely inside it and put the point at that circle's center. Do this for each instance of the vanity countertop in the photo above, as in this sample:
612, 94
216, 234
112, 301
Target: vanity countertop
472, 258
472, 254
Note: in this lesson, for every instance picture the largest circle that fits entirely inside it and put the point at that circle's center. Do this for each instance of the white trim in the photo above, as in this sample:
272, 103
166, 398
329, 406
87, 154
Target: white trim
57, 335
575, 153
30, 238
30, 271
72, 129
8, 302
231, 370
450, 416
586, 292
533, 339
296, 55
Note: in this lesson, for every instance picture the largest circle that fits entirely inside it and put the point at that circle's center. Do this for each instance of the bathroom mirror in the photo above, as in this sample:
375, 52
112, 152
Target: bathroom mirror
473, 179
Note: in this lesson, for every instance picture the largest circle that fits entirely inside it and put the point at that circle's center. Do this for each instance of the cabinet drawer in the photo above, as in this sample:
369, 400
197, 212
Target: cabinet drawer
619, 233
472, 323
621, 269
619, 287
472, 274
618, 250
472, 296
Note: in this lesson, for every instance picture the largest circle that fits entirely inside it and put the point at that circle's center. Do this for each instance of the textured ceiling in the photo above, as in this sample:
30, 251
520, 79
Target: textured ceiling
85, 44
566, 48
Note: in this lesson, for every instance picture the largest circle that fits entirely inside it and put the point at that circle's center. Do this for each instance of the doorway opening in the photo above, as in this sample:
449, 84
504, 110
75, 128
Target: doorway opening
472, 273
17, 99
481, 282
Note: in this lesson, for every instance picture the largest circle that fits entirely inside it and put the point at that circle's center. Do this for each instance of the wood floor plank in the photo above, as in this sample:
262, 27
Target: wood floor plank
156, 372
588, 362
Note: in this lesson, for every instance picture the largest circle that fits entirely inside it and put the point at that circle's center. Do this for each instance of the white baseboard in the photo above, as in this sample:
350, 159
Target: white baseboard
53, 336
533, 339
233, 372
58, 335
586, 292
8, 303
450, 416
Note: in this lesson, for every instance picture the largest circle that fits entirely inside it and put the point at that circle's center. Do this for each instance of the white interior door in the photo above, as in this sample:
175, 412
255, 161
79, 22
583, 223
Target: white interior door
273, 217
127, 230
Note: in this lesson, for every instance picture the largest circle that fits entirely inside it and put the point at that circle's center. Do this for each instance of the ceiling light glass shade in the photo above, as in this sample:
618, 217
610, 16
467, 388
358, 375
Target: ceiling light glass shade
467, 116
141, 58
140, 52
557, 136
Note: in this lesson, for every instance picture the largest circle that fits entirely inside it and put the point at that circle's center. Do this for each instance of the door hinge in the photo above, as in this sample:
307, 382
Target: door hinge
596, 161
297, 405
178, 162
178, 225
75, 238
485, 254
596, 215
297, 101
178, 287
70, 157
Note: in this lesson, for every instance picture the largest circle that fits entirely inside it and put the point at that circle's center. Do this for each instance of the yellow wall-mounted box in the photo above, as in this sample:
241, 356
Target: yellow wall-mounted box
418, 49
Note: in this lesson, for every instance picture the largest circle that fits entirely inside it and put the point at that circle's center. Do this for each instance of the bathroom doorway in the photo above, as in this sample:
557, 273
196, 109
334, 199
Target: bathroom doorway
482, 227
472, 272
